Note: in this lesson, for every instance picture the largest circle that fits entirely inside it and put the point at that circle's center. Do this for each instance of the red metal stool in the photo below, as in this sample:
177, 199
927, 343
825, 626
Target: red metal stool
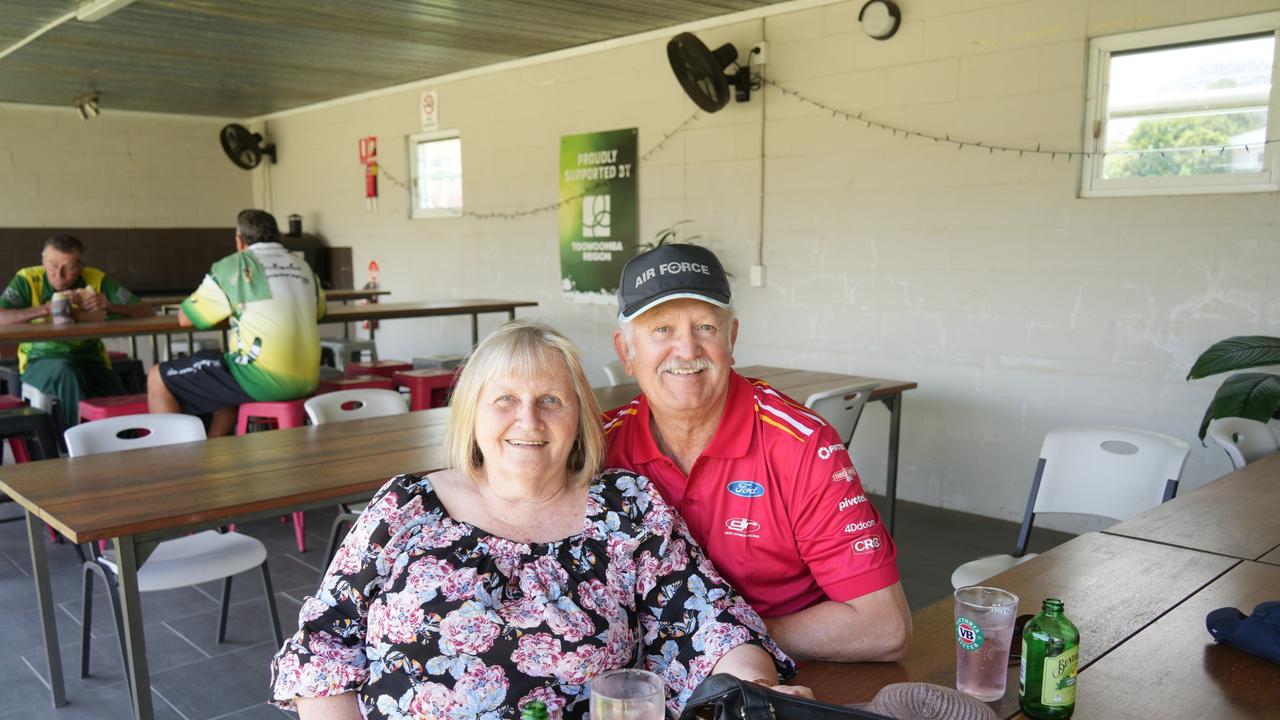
113, 406
428, 387
375, 382
385, 368
278, 415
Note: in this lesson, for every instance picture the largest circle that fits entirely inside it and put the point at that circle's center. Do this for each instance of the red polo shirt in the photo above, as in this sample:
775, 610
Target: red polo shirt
773, 500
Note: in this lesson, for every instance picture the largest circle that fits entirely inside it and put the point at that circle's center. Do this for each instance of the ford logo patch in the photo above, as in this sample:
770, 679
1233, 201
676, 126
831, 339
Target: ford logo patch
746, 488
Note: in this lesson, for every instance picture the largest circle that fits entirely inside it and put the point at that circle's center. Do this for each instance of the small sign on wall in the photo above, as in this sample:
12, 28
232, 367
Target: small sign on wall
430, 110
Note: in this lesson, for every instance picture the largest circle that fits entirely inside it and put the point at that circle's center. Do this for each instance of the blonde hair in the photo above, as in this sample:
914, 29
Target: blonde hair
522, 348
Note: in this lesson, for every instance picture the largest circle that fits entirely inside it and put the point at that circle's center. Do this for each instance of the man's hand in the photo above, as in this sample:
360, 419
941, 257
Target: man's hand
876, 626
90, 300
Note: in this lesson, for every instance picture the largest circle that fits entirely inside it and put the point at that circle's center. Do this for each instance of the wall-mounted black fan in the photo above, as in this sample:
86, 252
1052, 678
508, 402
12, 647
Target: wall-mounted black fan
244, 147
701, 72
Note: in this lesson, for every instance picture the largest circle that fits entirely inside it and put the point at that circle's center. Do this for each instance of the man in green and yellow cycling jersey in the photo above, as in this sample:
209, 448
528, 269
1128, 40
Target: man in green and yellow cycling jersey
69, 370
273, 300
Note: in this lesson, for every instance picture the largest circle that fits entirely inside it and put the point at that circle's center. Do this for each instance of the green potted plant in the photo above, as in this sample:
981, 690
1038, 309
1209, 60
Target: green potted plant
671, 234
1254, 395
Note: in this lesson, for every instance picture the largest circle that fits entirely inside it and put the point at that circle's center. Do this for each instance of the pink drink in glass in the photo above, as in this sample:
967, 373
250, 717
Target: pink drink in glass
984, 618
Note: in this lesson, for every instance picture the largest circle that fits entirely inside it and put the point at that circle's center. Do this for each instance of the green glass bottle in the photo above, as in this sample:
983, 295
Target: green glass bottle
534, 710
1050, 658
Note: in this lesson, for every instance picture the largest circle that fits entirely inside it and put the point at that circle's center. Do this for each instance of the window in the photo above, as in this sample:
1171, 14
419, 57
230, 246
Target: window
436, 174
1189, 109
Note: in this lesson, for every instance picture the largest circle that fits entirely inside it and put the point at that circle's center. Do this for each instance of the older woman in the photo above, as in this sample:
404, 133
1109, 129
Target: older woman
518, 573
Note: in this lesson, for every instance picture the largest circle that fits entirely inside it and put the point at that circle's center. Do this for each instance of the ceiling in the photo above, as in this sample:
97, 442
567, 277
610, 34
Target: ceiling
243, 58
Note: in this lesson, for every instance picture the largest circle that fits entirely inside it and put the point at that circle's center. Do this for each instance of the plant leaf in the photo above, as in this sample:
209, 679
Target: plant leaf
1255, 396
1236, 353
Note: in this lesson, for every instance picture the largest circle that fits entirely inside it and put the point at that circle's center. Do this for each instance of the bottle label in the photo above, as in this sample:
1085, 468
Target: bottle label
1059, 687
968, 634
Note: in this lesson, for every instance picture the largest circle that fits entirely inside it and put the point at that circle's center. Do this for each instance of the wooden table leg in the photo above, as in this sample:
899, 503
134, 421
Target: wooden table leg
475, 329
44, 598
135, 643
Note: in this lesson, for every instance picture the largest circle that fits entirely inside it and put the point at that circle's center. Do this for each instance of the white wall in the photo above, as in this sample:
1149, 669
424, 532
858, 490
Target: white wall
1016, 306
118, 170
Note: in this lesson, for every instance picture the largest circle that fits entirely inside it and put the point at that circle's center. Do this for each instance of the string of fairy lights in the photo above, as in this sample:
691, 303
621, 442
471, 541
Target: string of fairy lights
869, 123
554, 207
993, 148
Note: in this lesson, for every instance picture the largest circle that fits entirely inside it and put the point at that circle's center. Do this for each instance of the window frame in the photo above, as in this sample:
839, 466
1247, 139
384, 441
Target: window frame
1092, 184
414, 141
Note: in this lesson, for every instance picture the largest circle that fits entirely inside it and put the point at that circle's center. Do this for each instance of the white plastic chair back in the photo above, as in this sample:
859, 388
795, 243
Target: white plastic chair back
616, 373
842, 406
1244, 440
1107, 471
105, 435
36, 398
357, 404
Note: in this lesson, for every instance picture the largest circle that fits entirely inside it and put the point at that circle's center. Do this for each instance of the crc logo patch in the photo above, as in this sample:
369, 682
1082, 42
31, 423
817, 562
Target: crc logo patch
968, 634
846, 474
854, 527
865, 545
746, 488
742, 527
847, 503
825, 452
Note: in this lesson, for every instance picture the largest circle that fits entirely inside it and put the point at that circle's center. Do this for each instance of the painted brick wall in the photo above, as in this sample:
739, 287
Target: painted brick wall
1017, 306
118, 170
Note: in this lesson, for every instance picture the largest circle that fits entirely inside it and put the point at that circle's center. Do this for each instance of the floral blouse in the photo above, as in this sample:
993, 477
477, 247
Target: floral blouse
426, 616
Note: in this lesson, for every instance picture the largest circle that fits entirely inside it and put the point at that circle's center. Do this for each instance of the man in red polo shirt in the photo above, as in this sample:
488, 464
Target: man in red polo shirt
764, 484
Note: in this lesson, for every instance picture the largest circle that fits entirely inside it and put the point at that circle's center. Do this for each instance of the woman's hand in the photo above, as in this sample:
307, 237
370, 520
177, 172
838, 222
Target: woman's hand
797, 690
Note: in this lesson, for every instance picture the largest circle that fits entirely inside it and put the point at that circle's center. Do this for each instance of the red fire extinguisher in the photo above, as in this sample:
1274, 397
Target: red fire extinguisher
372, 325
368, 148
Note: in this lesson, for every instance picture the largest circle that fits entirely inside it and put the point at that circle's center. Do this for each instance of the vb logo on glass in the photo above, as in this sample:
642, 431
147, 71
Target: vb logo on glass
968, 634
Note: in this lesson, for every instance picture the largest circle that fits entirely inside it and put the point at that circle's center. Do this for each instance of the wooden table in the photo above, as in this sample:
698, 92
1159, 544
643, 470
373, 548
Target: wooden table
800, 384
1173, 668
335, 295
158, 325
1112, 587
140, 497
1236, 515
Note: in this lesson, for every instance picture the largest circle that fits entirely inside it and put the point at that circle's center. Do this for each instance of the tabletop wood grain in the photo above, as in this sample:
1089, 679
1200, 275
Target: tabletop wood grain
335, 295
1174, 669
1111, 586
1238, 514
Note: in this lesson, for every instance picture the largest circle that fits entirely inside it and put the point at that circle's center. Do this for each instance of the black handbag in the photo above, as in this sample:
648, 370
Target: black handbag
725, 697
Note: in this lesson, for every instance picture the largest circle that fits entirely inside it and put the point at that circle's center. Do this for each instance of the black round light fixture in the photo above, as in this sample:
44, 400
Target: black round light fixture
880, 19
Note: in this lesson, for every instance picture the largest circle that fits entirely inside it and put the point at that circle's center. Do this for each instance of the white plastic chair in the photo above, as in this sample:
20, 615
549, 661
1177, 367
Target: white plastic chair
1244, 440
1114, 473
356, 404
842, 407
616, 373
182, 562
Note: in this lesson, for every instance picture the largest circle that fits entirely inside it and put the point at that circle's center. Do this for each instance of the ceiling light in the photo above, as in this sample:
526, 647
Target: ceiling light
87, 106
94, 10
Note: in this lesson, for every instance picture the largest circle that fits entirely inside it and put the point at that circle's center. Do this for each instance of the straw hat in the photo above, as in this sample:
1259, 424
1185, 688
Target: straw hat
924, 701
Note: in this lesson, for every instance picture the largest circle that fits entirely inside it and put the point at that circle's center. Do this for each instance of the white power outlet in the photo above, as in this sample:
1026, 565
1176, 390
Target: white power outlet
757, 276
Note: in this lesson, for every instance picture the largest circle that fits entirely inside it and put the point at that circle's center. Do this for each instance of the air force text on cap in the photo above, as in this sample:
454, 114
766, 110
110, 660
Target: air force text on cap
672, 268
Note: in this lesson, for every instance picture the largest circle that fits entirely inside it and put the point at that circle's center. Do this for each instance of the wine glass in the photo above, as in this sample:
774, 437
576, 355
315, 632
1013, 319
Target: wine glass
628, 695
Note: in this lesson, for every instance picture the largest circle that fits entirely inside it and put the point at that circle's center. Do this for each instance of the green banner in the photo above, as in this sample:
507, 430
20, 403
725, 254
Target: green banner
599, 222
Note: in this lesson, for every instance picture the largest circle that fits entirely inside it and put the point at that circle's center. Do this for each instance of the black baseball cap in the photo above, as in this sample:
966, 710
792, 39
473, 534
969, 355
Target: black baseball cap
1258, 633
669, 272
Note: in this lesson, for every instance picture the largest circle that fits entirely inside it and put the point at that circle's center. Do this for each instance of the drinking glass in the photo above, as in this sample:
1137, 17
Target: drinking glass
628, 695
984, 627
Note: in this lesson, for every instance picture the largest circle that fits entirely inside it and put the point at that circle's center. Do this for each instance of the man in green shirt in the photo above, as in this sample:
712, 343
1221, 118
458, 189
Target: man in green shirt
272, 300
69, 370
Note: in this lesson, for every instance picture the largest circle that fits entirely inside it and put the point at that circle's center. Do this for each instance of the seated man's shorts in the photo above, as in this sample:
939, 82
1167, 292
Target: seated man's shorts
202, 383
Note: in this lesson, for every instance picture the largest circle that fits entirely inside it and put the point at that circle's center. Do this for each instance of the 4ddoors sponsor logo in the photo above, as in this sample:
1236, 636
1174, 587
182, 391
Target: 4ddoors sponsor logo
825, 452
742, 527
855, 527
746, 488
847, 503
864, 545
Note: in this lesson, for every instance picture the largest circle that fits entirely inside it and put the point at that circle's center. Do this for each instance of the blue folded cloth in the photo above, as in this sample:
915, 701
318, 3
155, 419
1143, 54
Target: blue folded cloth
1258, 633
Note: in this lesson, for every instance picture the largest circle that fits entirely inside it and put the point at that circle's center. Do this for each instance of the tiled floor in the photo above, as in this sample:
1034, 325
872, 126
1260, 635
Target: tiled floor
195, 678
